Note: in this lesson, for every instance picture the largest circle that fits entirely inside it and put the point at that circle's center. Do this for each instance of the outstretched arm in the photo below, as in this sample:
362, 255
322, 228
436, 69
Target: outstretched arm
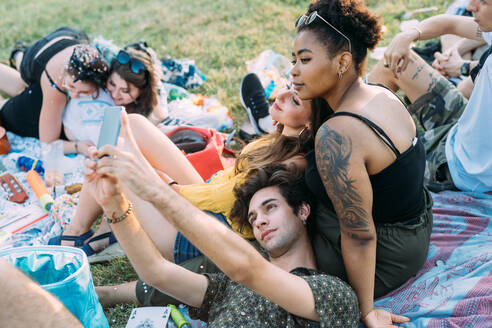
438, 25
342, 169
232, 254
187, 286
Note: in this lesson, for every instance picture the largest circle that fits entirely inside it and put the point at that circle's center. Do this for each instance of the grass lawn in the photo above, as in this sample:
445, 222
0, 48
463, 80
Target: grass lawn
220, 35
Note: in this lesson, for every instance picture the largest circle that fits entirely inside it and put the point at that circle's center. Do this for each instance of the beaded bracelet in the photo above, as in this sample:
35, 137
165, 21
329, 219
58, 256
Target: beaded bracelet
122, 217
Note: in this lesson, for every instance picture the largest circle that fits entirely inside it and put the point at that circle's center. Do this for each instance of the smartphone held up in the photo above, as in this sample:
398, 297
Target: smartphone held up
110, 128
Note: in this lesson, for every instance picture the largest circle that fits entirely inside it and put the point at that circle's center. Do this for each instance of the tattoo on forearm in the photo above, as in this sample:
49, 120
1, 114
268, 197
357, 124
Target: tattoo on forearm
333, 152
419, 69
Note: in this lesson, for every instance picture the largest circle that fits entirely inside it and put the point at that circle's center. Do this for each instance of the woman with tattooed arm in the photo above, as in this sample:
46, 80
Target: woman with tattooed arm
373, 224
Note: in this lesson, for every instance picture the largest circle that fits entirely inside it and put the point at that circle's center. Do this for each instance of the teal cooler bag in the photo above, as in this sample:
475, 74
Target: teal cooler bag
63, 271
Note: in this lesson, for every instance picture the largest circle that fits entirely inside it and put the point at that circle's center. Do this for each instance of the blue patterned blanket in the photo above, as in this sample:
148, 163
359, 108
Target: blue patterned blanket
454, 287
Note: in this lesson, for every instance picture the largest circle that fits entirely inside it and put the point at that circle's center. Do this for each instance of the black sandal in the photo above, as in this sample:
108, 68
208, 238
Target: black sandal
78, 240
18, 46
90, 251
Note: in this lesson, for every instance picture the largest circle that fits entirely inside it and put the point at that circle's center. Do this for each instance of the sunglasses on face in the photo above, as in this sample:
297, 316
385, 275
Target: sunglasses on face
136, 65
306, 20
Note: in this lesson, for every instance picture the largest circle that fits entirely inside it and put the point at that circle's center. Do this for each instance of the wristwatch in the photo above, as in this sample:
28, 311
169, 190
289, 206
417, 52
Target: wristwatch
465, 68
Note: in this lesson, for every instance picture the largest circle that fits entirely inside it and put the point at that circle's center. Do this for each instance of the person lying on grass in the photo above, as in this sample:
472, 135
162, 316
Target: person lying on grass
283, 289
133, 81
58, 67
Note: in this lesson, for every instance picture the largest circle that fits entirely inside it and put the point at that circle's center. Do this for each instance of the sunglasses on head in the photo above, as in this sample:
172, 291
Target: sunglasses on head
141, 45
306, 20
136, 65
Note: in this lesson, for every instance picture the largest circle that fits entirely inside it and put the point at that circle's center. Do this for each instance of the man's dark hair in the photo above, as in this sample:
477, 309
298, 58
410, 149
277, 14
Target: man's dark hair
289, 180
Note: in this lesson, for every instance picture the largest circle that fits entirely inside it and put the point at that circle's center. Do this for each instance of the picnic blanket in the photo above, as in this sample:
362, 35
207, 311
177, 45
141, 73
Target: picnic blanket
39, 233
454, 287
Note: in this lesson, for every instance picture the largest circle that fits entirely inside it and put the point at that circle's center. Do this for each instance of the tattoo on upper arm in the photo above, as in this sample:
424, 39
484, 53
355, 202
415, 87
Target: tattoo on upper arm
333, 152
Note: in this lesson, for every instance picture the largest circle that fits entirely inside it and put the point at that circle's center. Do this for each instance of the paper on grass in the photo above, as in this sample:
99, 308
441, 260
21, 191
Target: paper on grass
149, 317
21, 219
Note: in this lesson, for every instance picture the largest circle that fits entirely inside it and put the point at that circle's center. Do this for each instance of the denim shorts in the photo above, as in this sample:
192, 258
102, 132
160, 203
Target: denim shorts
184, 250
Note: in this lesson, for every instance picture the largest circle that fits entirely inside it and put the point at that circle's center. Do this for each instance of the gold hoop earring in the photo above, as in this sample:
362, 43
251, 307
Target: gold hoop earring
340, 75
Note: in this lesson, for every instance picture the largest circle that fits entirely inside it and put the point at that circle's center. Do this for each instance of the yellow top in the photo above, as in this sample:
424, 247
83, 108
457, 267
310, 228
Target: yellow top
217, 196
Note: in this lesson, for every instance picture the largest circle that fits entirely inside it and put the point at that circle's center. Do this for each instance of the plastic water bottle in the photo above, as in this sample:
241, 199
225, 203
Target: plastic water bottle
52, 154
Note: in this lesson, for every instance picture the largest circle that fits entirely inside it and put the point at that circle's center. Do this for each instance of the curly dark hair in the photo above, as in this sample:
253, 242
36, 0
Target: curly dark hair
289, 180
352, 18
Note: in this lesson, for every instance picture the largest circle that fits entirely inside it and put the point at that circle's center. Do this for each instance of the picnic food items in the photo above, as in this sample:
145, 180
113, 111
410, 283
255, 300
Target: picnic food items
40, 190
4, 142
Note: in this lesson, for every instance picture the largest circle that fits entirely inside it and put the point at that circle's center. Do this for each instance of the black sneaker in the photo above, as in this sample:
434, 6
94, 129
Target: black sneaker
254, 101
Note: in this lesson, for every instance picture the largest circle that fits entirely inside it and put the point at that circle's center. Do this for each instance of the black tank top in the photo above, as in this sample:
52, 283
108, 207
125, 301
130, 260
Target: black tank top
32, 67
397, 189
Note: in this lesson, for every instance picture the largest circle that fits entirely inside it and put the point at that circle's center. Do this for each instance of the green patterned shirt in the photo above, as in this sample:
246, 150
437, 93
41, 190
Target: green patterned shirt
229, 304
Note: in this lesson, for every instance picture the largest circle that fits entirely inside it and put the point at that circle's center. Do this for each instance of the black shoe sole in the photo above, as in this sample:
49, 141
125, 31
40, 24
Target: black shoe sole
18, 46
257, 129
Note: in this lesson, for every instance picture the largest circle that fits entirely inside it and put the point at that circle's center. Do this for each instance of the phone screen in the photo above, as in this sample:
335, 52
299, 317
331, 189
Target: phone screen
110, 128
